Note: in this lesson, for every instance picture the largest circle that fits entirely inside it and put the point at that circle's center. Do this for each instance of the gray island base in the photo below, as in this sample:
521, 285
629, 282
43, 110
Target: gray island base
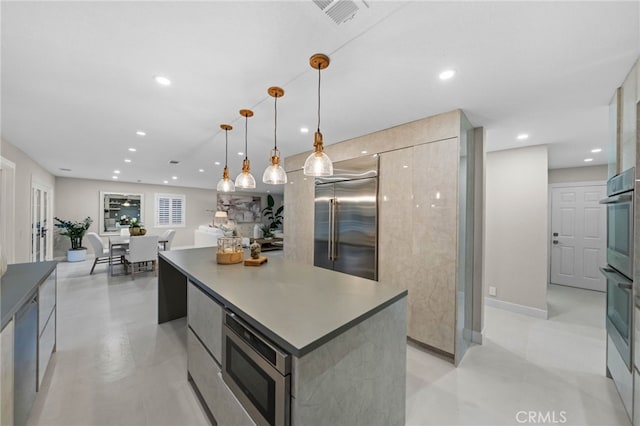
345, 337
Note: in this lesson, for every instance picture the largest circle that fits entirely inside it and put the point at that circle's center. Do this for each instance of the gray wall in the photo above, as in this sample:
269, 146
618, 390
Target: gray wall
27, 171
578, 174
516, 246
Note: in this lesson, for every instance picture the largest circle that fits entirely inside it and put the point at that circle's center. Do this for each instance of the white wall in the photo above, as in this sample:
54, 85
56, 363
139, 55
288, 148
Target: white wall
578, 174
516, 227
79, 198
27, 170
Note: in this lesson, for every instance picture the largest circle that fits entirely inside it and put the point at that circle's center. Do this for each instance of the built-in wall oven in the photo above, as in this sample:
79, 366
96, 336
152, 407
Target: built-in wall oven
619, 269
257, 372
619, 275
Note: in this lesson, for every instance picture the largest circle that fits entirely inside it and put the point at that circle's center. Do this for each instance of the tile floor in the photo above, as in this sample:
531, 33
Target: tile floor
115, 366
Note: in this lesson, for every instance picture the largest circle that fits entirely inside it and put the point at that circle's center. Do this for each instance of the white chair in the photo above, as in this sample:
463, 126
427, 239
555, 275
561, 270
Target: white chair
102, 253
142, 250
168, 237
124, 232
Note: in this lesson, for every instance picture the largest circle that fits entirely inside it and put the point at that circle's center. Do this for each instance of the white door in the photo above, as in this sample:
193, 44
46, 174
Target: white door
578, 236
41, 226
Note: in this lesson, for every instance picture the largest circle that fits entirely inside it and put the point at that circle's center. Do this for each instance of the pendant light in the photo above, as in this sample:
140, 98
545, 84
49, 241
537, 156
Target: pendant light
318, 163
245, 179
225, 184
275, 174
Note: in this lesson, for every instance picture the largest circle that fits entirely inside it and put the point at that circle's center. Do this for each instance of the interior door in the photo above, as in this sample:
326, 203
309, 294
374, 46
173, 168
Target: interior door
578, 236
41, 216
321, 256
356, 227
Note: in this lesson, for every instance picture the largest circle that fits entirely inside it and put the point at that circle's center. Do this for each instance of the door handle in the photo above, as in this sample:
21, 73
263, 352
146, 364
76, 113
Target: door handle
334, 237
330, 236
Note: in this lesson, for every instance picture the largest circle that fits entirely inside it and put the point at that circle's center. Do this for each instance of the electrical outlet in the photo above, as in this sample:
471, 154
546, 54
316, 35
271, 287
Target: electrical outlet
493, 291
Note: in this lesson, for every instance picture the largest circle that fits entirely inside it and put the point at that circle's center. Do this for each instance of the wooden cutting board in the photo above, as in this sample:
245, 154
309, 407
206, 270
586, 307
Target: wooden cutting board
255, 262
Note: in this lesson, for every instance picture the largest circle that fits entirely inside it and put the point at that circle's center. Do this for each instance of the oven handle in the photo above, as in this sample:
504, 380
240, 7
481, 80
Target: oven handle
622, 198
622, 281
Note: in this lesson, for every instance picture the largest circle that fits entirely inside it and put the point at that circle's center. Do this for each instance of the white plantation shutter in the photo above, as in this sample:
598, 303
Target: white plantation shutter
170, 210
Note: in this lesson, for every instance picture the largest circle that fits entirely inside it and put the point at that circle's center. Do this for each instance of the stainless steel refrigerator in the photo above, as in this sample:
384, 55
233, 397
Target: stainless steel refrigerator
346, 213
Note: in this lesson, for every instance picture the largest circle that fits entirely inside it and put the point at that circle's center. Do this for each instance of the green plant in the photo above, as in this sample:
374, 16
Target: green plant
134, 222
275, 217
74, 230
266, 231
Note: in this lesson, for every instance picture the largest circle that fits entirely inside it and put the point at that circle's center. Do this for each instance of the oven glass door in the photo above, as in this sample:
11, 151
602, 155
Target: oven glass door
619, 311
256, 384
619, 236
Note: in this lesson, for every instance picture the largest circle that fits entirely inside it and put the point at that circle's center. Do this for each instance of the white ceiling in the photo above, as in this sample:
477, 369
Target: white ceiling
77, 78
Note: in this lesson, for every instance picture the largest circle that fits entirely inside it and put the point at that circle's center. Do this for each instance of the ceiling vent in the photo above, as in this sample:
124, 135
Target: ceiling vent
340, 11
174, 162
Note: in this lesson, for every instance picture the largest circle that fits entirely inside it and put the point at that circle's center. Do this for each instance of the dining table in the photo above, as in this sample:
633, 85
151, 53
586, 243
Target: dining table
118, 246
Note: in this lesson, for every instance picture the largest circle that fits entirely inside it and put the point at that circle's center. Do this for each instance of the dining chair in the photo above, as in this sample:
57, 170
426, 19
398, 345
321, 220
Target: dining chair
168, 237
101, 252
142, 251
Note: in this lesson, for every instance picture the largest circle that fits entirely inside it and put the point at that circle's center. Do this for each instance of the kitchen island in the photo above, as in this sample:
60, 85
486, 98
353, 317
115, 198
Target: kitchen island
344, 337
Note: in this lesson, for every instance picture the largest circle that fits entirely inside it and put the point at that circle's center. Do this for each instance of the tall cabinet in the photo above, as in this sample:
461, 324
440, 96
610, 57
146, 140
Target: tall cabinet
426, 222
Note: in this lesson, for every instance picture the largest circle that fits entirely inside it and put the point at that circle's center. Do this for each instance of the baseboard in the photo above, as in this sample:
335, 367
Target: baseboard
476, 337
514, 307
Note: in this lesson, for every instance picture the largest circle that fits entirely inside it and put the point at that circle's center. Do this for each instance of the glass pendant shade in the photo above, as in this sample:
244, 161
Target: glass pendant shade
225, 184
318, 163
274, 174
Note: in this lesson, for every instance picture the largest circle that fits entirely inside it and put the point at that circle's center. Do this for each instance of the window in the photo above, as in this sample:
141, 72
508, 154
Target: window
170, 210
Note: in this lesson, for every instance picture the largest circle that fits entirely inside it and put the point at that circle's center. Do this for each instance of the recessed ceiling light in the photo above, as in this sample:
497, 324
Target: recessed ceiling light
201, 170
522, 136
217, 163
127, 160
363, 152
163, 81
174, 177
114, 177
405, 167
240, 153
588, 160
165, 181
304, 130
132, 149
447, 74
116, 172
141, 133
596, 150
62, 169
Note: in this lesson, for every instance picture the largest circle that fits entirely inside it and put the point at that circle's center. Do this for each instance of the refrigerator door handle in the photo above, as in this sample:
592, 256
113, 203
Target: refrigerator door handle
334, 238
330, 236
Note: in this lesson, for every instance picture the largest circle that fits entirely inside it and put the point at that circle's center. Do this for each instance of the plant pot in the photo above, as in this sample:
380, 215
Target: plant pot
76, 255
134, 230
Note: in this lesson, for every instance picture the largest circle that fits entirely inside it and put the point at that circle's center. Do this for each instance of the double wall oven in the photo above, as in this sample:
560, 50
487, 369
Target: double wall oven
619, 276
257, 372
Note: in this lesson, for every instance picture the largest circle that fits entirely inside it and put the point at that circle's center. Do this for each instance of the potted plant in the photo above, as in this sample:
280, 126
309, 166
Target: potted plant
136, 228
274, 216
75, 231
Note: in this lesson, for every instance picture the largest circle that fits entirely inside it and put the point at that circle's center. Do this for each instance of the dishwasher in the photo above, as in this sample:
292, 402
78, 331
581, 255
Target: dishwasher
26, 360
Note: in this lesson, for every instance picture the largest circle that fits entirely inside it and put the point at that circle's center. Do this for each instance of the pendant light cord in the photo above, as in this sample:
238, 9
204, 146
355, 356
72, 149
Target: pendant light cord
226, 146
275, 126
319, 67
246, 153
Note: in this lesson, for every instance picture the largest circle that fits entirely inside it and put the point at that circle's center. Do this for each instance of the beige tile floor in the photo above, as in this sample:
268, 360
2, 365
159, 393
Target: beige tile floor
116, 366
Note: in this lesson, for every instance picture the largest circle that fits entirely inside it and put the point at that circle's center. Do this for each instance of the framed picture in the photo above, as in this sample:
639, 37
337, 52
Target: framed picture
241, 208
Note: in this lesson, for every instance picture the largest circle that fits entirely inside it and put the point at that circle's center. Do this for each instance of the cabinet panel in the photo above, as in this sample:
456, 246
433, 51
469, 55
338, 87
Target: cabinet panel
45, 347
46, 300
6, 374
206, 374
205, 318
629, 117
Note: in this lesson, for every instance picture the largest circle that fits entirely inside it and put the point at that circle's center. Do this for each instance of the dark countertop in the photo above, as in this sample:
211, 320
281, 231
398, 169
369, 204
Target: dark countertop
299, 307
19, 284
